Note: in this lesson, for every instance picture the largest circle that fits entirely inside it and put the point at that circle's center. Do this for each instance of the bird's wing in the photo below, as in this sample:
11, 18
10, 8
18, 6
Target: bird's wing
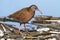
22, 13
18, 13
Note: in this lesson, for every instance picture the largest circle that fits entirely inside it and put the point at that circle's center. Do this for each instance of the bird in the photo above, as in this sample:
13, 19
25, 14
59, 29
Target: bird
24, 15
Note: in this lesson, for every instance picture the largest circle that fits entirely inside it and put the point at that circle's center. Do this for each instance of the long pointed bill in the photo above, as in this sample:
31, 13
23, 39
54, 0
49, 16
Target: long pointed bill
39, 11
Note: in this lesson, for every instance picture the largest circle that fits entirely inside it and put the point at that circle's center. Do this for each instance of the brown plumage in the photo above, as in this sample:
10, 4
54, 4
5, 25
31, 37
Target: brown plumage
25, 14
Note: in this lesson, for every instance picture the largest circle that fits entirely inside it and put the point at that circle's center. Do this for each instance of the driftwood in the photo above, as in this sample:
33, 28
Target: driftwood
37, 35
41, 22
5, 19
13, 33
46, 18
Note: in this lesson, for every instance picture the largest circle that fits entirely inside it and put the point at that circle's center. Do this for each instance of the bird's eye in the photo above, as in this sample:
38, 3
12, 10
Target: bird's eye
35, 8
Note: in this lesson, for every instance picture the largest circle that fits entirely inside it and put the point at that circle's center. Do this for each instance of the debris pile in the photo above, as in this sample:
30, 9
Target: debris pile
48, 28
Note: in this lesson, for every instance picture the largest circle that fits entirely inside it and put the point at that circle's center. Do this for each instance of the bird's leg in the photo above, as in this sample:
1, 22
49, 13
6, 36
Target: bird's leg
26, 29
19, 30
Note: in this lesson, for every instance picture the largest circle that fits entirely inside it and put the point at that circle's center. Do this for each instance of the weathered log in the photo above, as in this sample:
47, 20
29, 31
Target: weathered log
42, 22
8, 19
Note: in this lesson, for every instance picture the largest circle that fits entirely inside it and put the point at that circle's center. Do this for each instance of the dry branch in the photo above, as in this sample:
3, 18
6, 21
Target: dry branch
8, 19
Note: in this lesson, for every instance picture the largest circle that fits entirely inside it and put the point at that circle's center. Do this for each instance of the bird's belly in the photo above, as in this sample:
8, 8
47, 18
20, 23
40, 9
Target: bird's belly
27, 17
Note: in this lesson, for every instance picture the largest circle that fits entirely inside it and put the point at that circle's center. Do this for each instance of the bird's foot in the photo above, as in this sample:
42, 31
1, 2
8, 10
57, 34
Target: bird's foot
28, 33
20, 33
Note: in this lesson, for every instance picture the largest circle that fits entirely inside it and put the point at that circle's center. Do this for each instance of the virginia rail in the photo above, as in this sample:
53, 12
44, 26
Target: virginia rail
24, 15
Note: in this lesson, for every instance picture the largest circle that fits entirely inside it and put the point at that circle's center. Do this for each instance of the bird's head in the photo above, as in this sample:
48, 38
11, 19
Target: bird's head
34, 8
